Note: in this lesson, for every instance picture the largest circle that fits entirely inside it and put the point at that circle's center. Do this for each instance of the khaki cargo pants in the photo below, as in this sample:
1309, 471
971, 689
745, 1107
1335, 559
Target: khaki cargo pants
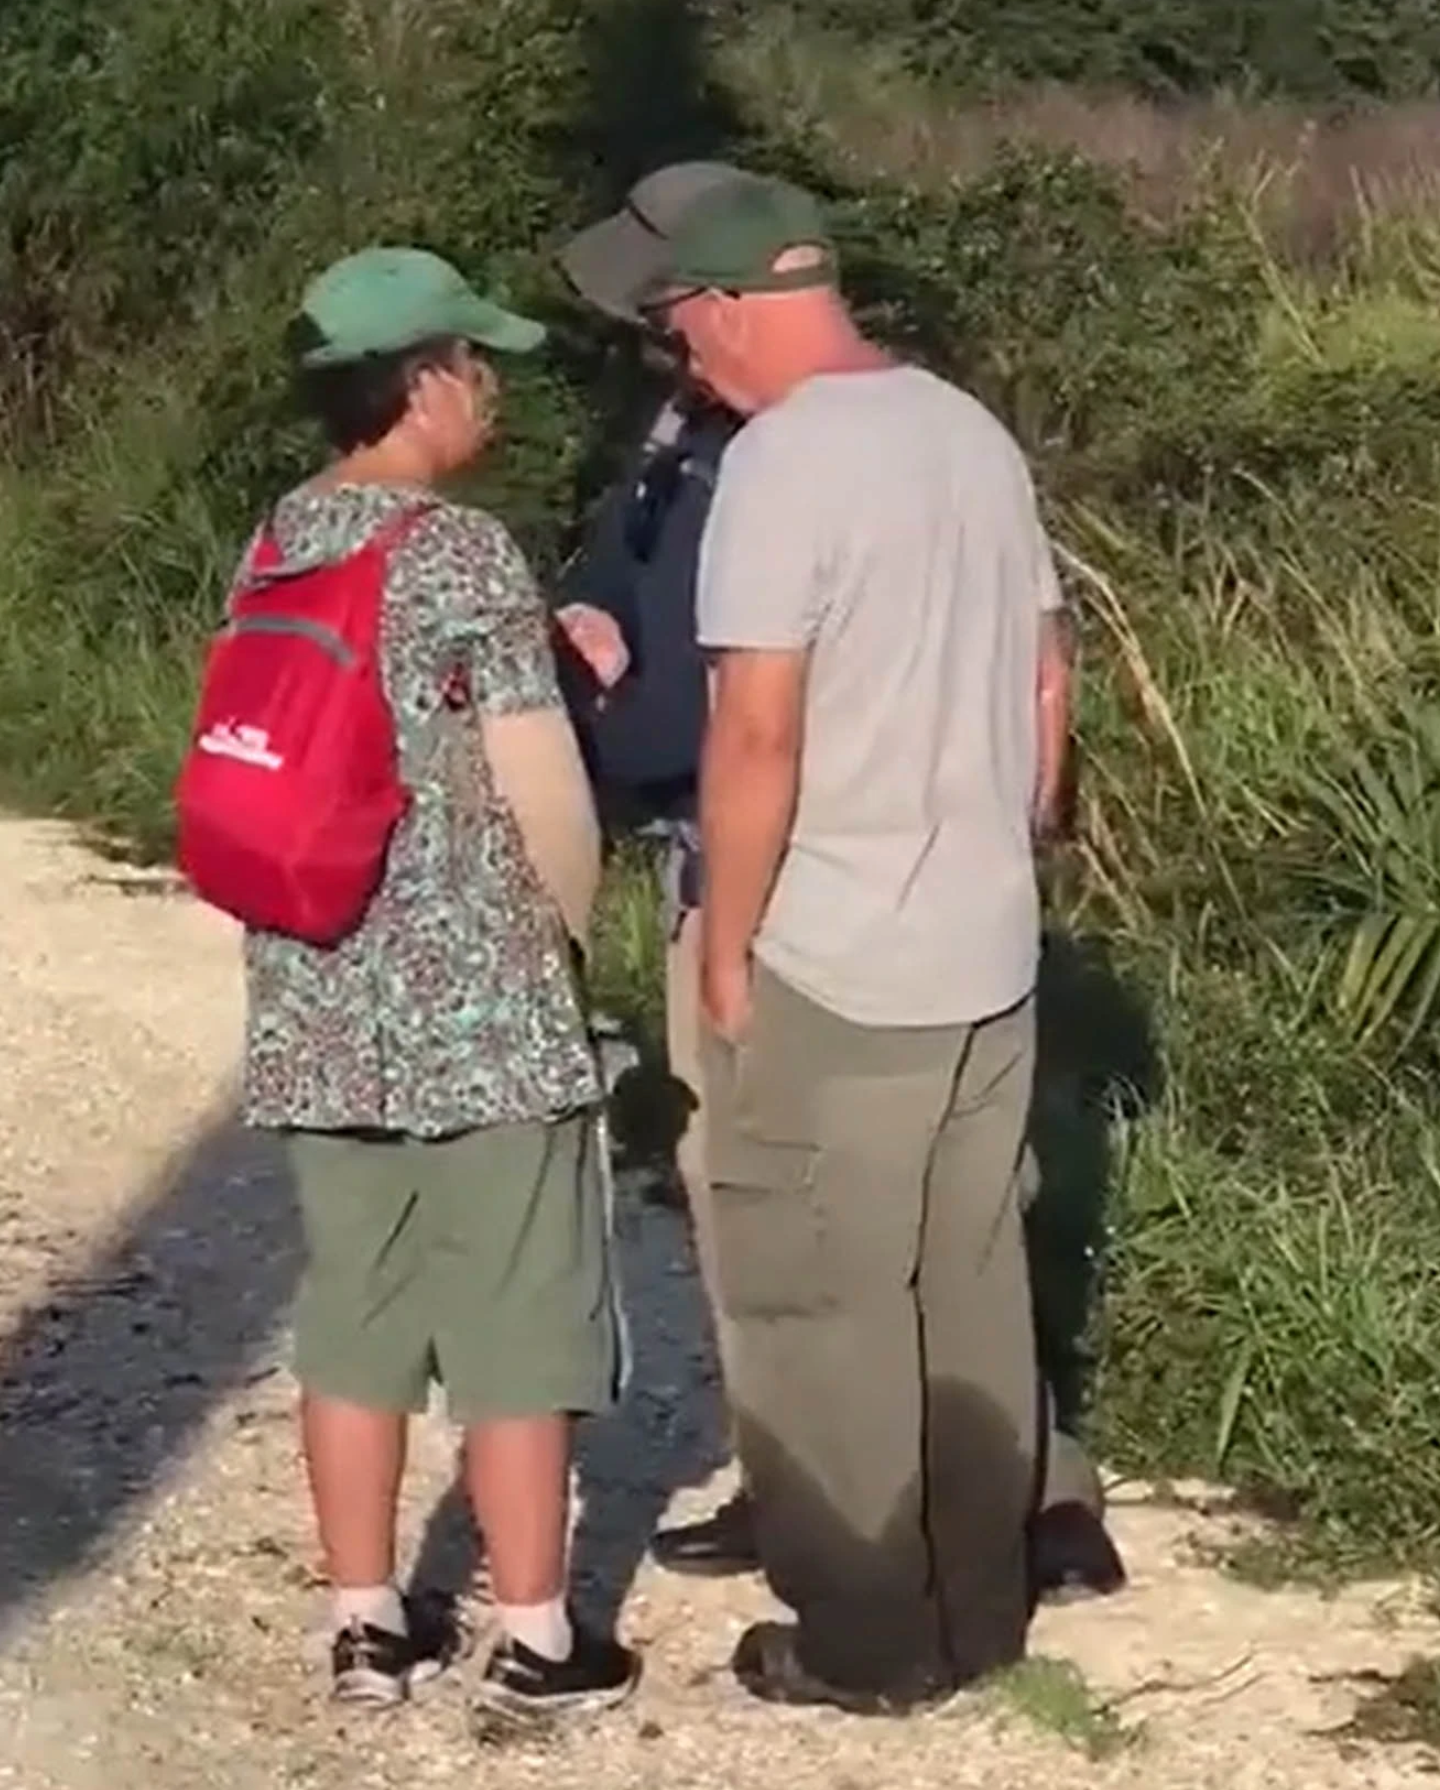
1070, 1476
870, 1265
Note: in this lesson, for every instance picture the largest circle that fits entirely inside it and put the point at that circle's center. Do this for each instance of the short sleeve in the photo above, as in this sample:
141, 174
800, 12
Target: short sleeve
494, 613
1043, 576
762, 583
1047, 581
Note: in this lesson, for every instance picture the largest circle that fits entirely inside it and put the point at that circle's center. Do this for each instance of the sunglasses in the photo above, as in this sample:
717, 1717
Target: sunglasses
660, 333
653, 311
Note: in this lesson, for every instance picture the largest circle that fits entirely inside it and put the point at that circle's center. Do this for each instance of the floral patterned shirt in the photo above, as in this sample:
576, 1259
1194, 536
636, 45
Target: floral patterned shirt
454, 1005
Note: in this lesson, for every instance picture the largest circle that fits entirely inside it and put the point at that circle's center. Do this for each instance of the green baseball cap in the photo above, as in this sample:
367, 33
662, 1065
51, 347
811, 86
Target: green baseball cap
615, 262
743, 237
383, 300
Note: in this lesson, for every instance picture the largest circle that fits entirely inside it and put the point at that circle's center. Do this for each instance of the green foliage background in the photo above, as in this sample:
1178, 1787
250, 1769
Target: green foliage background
1325, 50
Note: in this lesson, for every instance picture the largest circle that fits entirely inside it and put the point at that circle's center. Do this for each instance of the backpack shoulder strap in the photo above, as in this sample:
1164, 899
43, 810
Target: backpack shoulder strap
262, 558
393, 533
265, 562
265, 555
384, 542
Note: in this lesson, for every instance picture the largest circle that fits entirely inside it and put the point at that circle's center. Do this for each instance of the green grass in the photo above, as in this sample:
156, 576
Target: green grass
1053, 1696
1233, 405
1403, 1710
629, 945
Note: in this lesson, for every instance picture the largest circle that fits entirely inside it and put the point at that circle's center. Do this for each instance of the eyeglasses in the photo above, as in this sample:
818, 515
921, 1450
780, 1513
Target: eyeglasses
653, 311
661, 333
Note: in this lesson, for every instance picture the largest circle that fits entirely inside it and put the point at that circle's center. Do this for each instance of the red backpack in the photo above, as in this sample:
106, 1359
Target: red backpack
290, 791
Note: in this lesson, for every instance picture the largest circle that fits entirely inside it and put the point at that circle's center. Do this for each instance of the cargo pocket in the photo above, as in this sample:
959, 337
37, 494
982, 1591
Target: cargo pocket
770, 1235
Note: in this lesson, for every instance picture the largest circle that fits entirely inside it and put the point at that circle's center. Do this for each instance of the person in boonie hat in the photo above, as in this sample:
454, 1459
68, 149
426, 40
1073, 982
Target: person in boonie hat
431, 1077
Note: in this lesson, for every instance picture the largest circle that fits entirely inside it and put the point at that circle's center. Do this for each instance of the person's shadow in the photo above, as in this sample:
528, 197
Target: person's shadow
1096, 1064
108, 1378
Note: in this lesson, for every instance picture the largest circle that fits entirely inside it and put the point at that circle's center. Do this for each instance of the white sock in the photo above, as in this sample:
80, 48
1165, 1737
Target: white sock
543, 1628
376, 1606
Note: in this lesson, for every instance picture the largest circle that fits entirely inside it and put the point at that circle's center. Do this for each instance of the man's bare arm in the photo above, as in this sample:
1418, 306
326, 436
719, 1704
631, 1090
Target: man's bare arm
748, 786
1057, 659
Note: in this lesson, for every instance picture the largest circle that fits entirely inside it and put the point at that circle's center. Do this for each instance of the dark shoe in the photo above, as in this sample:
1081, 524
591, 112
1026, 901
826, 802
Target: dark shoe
376, 1668
769, 1667
1073, 1556
721, 1547
523, 1692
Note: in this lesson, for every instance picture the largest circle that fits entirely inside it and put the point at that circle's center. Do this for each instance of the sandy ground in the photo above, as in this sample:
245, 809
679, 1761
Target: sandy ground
157, 1594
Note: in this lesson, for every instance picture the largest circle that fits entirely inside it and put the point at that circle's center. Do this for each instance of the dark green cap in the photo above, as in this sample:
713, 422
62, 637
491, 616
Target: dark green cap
615, 263
742, 237
383, 300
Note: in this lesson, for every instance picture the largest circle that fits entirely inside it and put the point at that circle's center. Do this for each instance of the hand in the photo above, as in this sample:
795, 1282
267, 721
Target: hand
725, 994
597, 638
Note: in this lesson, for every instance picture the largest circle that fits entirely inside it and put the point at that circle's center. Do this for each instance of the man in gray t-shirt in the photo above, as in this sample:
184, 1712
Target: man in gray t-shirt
874, 591
881, 524
610, 264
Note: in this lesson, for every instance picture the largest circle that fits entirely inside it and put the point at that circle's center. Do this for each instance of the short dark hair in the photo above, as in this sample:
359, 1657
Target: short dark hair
358, 403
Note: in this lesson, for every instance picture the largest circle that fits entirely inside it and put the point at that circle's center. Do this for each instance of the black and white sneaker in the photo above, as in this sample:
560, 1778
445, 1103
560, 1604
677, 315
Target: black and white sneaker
523, 1693
375, 1668
722, 1546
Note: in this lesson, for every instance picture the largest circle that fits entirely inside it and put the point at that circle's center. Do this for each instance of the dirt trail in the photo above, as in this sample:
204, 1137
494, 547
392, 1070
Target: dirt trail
155, 1561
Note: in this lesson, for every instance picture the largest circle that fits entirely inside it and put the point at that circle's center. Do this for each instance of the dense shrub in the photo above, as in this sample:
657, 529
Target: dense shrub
1104, 341
171, 176
142, 149
1316, 49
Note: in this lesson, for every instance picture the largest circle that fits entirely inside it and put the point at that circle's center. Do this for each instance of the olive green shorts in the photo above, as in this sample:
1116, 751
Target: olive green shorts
480, 1261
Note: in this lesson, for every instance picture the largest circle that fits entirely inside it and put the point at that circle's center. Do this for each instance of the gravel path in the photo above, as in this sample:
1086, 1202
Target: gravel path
157, 1587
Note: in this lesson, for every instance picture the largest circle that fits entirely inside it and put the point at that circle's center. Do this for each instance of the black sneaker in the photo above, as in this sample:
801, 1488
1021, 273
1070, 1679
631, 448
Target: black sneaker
722, 1546
376, 1668
1073, 1556
523, 1693
768, 1665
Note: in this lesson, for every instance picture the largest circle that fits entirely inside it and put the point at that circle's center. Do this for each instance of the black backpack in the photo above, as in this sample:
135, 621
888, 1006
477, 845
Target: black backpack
642, 739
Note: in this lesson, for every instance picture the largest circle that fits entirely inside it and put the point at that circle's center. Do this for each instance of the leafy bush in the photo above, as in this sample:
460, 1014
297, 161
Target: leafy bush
1318, 49
1108, 344
201, 163
142, 149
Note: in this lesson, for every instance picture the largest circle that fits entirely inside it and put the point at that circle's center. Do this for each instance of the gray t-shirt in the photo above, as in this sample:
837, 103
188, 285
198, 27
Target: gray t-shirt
887, 523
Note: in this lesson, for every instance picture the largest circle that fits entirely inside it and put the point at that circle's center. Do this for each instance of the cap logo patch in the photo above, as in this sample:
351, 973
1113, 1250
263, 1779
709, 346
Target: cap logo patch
800, 259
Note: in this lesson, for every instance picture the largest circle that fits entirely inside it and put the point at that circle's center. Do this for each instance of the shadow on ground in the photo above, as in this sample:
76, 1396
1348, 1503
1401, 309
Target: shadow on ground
1096, 1062
107, 1383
